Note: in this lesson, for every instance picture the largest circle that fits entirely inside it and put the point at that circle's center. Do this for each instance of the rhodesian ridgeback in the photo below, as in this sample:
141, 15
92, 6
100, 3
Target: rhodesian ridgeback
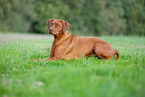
68, 46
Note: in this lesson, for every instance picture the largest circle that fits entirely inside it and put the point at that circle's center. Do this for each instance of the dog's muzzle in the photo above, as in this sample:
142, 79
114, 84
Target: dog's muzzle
50, 30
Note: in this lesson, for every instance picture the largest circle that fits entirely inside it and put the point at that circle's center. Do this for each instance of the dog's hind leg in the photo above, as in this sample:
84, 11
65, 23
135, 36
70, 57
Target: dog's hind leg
104, 51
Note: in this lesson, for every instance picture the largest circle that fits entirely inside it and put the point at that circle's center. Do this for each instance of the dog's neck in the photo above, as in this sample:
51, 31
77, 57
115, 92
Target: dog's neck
61, 36
58, 36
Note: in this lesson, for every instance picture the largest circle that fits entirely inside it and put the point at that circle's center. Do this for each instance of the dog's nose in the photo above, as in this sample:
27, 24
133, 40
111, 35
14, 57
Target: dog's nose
50, 28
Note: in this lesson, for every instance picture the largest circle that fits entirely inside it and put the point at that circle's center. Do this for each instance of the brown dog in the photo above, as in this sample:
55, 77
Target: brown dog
67, 46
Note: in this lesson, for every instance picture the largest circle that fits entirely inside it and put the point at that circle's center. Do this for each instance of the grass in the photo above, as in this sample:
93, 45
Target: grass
88, 77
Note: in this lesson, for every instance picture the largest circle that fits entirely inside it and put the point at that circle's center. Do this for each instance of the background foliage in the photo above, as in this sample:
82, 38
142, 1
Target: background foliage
91, 17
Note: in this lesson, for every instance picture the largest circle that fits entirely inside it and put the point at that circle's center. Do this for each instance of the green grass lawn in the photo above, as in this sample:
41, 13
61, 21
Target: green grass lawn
87, 77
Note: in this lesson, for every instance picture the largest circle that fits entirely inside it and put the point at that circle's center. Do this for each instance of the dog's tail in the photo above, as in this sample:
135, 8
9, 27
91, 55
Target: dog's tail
118, 55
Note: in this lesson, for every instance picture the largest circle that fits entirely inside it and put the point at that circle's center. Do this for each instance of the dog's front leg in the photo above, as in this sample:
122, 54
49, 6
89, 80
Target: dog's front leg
58, 53
52, 50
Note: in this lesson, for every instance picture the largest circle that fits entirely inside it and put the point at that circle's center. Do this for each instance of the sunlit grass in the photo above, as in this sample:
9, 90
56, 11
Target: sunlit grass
87, 77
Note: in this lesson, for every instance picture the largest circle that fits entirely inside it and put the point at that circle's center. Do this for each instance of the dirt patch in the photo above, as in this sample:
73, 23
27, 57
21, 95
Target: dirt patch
15, 37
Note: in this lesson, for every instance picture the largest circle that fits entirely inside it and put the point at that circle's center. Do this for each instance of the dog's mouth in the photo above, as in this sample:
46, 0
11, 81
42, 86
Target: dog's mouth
51, 32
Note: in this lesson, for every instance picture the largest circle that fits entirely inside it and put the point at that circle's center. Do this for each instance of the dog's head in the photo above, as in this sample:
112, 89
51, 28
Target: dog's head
57, 27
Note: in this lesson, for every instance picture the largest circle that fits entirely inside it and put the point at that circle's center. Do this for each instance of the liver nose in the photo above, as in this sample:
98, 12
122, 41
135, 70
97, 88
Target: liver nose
50, 28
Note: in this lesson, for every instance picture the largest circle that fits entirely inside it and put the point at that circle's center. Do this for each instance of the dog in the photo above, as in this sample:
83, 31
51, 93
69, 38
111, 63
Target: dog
68, 46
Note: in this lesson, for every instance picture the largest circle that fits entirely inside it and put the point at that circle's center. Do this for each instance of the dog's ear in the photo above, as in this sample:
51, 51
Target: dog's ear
49, 21
65, 26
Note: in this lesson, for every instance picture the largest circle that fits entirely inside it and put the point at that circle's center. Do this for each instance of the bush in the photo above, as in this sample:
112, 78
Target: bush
91, 17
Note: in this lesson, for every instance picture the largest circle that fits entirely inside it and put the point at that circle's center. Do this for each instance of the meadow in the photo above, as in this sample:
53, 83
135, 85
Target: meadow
86, 77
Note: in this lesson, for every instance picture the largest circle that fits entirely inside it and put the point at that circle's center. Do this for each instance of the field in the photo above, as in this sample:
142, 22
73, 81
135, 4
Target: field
87, 77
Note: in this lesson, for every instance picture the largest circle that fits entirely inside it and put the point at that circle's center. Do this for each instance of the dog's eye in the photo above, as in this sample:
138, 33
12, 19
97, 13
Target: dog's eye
50, 25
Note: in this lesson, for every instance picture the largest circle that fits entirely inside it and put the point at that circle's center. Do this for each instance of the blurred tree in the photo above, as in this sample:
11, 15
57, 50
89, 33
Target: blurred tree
135, 16
112, 19
5, 9
90, 17
16, 15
